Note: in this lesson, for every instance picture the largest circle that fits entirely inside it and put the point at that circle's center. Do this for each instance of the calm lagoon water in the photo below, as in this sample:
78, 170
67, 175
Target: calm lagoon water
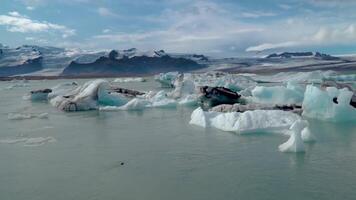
155, 154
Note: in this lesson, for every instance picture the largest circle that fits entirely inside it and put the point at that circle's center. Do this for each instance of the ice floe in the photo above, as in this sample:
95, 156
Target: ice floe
129, 79
29, 141
24, 116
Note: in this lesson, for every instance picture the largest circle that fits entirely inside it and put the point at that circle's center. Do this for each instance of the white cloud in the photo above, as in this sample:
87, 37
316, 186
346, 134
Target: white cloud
268, 46
106, 31
285, 6
258, 14
323, 36
30, 7
200, 27
105, 12
15, 22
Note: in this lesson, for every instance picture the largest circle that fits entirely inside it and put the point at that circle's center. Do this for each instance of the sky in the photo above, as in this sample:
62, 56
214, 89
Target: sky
211, 27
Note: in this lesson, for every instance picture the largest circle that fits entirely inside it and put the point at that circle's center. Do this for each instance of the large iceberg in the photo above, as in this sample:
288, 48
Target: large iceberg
246, 122
290, 94
87, 97
331, 104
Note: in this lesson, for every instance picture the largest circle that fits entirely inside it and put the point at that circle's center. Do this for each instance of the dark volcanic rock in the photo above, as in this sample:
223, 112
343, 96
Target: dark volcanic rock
136, 65
29, 66
302, 54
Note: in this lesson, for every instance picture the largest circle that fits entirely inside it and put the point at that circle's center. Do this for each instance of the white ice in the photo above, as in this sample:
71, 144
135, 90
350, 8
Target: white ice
23, 116
295, 141
319, 104
129, 79
289, 94
29, 141
246, 122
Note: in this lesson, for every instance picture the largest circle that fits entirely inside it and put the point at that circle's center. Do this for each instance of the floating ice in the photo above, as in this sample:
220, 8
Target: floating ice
299, 77
129, 79
28, 141
182, 88
23, 116
330, 105
246, 122
307, 136
290, 94
166, 79
295, 141
233, 82
342, 78
87, 97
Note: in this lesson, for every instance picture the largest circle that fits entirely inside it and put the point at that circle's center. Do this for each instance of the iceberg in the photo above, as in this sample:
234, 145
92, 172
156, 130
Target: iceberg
290, 94
295, 142
166, 79
330, 105
246, 122
90, 96
182, 87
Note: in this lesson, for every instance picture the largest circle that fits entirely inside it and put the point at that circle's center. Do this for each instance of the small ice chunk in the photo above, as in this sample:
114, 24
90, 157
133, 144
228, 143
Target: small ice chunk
295, 141
135, 104
129, 79
29, 141
307, 136
23, 116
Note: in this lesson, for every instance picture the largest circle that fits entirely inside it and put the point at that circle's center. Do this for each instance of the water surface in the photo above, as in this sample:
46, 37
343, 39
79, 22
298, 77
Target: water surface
155, 154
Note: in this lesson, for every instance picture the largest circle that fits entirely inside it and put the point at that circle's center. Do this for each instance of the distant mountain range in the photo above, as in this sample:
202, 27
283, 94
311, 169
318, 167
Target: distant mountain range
39, 61
52, 61
130, 63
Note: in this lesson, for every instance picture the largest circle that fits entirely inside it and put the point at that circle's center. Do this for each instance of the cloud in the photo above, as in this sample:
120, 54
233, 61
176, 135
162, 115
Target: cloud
285, 6
15, 22
30, 7
199, 27
106, 30
323, 36
268, 46
332, 3
105, 12
258, 14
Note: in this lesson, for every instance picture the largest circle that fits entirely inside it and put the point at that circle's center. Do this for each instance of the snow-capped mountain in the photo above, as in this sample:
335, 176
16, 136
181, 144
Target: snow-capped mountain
53, 61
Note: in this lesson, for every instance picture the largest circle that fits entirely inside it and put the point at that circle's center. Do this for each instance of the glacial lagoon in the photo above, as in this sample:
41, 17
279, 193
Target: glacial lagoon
156, 154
